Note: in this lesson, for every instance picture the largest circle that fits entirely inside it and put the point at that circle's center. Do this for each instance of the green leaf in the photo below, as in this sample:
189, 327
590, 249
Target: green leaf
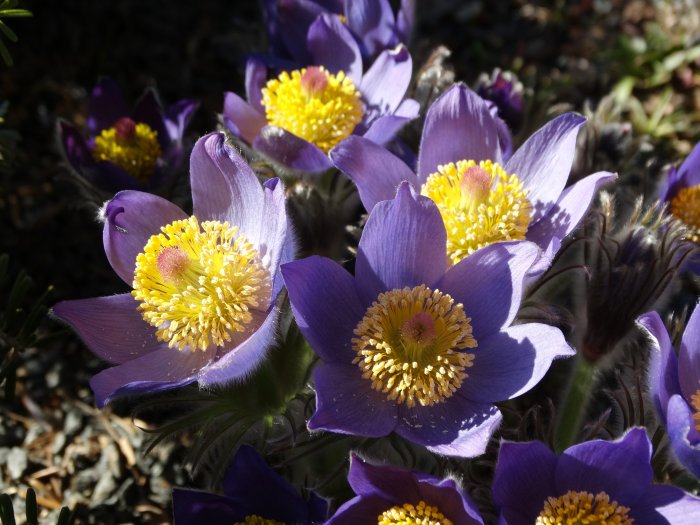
32, 510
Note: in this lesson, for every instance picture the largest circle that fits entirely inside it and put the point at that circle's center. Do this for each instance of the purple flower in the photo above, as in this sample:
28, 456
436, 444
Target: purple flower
593, 482
506, 92
297, 117
401, 496
205, 287
127, 149
251, 490
411, 347
372, 24
675, 386
482, 198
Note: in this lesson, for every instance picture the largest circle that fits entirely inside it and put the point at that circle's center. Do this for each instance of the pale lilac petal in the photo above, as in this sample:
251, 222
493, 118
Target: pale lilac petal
689, 356
273, 236
375, 171
106, 106
131, 218
248, 120
458, 126
386, 81
385, 128
489, 284
511, 362
563, 217
372, 21
403, 244
405, 20
332, 46
290, 150
255, 80
347, 404
666, 505
680, 426
316, 286
177, 118
544, 161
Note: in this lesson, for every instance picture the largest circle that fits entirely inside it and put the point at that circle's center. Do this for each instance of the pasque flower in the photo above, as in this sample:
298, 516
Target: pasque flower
391, 495
372, 23
593, 482
411, 347
254, 494
204, 286
675, 386
297, 116
482, 197
127, 149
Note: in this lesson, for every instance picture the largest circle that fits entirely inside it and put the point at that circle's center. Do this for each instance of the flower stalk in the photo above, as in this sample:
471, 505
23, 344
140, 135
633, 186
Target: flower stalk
573, 408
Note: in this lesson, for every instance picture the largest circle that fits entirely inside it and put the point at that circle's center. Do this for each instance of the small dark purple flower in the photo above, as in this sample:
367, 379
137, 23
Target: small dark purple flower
675, 386
392, 495
412, 347
372, 23
127, 149
254, 494
482, 197
593, 482
203, 306
506, 92
298, 116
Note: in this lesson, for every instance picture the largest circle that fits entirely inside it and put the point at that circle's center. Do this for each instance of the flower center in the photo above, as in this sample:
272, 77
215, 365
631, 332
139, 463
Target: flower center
131, 146
407, 514
410, 344
313, 104
686, 207
480, 204
257, 520
583, 508
695, 402
198, 283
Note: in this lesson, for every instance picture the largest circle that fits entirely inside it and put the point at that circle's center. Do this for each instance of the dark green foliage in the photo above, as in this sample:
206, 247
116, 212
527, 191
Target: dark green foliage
8, 9
7, 512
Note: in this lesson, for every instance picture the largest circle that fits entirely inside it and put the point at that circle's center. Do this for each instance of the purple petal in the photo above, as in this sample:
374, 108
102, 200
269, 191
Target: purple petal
150, 111
153, 372
680, 426
74, 146
110, 326
177, 118
375, 171
621, 468
295, 18
405, 20
524, 478
361, 509
455, 427
332, 46
106, 106
386, 81
689, 356
347, 404
543, 163
290, 150
248, 120
274, 236
316, 287
403, 244
385, 128
687, 175
666, 505
513, 361
255, 80
394, 484
131, 218
450, 498
663, 369
197, 506
489, 284
372, 21
458, 126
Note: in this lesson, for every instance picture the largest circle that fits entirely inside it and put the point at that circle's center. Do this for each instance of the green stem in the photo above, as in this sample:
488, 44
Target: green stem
572, 411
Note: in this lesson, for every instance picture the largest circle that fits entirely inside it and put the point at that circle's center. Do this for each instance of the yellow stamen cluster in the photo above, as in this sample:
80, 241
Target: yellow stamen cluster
257, 520
407, 514
480, 204
410, 344
197, 283
695, 402
686, 207
133, 147
582, 508
313, 104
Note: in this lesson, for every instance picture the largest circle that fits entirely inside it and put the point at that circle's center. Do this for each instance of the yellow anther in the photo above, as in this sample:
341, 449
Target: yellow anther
686, 207
408, 514
583, 508
257, 520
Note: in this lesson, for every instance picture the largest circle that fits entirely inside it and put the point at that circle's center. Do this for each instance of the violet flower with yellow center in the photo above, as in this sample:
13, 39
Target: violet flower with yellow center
593, 483
414, 347
387, 495
205, 287
483, 195
675, 386
299, 114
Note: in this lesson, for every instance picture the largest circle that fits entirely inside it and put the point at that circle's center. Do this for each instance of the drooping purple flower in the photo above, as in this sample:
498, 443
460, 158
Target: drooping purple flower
125, 148
506, 92
298, 116
372, 23
482, 197
203, 306
386, 494
675, 386
251, 490
412, 347
593, 482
